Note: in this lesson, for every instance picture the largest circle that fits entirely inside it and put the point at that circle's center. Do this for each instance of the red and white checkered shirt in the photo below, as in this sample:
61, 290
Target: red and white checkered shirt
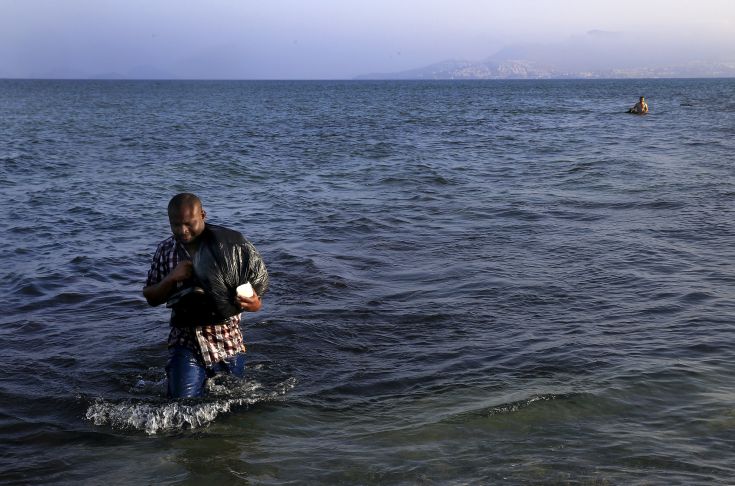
212, 343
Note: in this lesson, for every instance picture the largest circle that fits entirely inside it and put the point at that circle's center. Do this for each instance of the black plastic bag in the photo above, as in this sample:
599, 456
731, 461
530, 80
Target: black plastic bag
223, 261
191, 306
218, 267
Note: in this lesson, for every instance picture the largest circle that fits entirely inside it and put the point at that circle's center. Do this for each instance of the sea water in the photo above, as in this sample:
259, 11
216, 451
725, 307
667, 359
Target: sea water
490, 282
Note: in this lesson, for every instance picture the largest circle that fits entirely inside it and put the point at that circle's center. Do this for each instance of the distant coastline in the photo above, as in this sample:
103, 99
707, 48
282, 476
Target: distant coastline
497, 67
399, 77
525, 69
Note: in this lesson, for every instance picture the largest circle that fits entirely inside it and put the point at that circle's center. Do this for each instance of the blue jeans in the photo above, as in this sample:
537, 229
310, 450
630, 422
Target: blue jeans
187, 375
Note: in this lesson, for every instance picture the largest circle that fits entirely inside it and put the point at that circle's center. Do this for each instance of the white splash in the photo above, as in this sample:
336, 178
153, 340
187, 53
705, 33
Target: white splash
156, 417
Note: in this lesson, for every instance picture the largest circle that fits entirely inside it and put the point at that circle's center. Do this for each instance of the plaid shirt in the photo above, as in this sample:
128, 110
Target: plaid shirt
211, 343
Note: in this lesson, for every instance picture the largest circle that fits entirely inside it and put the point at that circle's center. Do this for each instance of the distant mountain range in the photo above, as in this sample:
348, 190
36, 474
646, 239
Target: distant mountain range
596, 54
529, 69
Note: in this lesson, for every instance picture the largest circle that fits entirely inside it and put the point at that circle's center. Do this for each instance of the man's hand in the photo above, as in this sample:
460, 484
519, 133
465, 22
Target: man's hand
250, 304
157, 294
182, 271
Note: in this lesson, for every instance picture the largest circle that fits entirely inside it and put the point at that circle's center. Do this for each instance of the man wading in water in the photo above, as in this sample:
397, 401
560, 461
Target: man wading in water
639, 108
201, 347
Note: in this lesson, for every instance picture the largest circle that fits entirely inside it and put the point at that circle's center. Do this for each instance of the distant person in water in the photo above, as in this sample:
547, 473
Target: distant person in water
202, 347
640, 108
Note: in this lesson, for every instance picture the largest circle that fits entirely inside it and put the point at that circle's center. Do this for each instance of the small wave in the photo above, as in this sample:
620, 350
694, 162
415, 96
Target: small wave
518, 405
521, 404
696, 297
155, 417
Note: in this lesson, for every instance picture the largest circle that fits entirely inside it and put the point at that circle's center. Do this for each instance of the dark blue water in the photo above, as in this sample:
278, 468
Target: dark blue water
472, 282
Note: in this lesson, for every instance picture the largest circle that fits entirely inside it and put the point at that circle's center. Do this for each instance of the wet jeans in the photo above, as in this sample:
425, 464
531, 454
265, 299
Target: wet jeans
187, 376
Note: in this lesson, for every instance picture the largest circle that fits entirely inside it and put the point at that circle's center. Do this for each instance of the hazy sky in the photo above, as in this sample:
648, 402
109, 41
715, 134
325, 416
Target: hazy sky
308, 39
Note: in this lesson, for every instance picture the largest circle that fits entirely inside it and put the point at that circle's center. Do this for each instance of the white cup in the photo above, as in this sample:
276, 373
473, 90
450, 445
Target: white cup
245, 290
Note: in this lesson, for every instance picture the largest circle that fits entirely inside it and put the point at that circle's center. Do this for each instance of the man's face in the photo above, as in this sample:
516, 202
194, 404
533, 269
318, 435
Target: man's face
187, 222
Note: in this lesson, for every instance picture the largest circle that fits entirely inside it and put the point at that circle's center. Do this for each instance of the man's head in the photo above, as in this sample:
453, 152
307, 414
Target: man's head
642, 99
186, 215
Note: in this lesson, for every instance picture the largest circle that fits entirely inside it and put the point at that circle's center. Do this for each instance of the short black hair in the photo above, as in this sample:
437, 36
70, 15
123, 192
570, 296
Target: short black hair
182, 200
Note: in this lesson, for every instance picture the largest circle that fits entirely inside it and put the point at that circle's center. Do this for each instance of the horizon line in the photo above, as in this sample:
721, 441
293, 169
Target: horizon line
363, 79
